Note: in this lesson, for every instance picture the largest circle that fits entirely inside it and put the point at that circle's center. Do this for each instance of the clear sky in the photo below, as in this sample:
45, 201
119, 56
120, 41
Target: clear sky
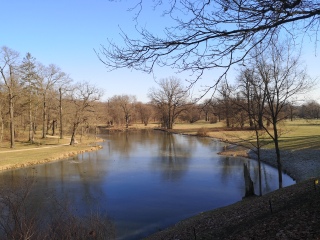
66, 32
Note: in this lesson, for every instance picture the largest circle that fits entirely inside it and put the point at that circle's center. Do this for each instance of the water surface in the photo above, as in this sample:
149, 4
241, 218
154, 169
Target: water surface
146, 181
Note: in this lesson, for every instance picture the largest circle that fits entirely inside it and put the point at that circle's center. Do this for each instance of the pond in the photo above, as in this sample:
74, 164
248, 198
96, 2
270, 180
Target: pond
145, 181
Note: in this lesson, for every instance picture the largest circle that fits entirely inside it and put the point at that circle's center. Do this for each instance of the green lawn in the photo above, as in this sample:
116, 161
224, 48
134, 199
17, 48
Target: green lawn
298, 134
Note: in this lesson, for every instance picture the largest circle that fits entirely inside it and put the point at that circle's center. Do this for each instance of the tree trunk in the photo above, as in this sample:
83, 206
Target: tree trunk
44, 117
127, 121
54, 123
11, 114
74, 129
31, 136
276, 145
2, 129
259, 159
60, 111
249, 189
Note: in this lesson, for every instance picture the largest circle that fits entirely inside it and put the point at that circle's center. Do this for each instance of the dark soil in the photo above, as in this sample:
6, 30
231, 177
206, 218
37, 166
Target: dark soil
289, 213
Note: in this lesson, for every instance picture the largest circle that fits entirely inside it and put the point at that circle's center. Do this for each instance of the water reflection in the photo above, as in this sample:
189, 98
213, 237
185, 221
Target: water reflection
145, 181
173, 157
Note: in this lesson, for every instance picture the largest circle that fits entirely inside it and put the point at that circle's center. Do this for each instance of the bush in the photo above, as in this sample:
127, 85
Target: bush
213, 119
203, 132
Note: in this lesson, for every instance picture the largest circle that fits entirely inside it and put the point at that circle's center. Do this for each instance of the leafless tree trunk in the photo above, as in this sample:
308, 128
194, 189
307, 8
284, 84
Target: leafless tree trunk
9, 58
282, 78
170, 99
48, 78
44, 116
60, 113
82, 99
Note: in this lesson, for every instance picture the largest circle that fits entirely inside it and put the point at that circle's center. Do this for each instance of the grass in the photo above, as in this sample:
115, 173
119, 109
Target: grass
301, 134
44, 150
295, 135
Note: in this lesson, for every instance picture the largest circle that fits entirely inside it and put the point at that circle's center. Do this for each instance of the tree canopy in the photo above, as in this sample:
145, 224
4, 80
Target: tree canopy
210, 34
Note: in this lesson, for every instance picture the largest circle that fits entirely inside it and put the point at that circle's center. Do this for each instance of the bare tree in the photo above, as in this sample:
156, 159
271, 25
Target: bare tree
170, 100
191, 114
210, 34
63, 88
48, 77
225, 101
29, 76
144, 111
253, 90
82, 99
127, 105
282, 80
8, 70
310, 110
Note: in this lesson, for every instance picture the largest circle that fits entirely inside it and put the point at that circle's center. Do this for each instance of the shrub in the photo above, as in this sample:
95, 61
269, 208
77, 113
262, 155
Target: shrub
203, 132
213, 119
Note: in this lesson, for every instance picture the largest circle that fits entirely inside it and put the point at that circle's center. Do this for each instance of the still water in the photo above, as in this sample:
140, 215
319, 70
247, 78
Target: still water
146, 181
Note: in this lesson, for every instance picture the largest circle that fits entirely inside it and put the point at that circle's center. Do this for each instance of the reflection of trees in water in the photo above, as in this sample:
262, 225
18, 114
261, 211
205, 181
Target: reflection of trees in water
174, 156
234, 166
123, 143
205, 141
78, 182
230, 167
266, 177
174, 150
24, 216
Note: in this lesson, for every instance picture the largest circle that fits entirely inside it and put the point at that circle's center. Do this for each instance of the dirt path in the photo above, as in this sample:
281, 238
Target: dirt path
30, 149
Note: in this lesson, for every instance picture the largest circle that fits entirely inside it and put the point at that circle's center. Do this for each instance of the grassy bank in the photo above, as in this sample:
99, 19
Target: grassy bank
42, 151
295, 135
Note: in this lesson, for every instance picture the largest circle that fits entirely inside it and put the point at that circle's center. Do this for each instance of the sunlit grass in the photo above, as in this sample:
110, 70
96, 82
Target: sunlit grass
297, 134
301, 134
43, 150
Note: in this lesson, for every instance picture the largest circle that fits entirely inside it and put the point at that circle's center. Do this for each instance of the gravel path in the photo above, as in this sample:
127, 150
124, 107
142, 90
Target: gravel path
288, 213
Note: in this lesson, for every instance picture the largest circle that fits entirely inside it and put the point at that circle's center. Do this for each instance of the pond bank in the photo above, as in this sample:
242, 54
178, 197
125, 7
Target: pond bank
295, 215
298, 164
296, 209
22, 158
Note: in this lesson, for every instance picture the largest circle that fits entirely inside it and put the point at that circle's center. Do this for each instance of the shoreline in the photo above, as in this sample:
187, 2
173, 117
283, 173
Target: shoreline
294, 214
300, 165
65, 154
222, 223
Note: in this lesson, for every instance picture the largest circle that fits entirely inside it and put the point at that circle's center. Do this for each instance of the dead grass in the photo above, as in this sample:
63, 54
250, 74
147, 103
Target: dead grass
296, 135
44, 150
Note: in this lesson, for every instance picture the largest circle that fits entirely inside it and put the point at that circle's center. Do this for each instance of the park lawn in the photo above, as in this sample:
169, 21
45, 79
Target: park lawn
294, 135
44, 150
301, 134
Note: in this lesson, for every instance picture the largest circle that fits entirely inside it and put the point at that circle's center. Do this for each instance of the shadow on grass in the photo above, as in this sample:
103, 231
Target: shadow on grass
302, 142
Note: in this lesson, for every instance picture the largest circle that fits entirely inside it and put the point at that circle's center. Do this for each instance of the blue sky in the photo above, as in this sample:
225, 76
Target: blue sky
65, 32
